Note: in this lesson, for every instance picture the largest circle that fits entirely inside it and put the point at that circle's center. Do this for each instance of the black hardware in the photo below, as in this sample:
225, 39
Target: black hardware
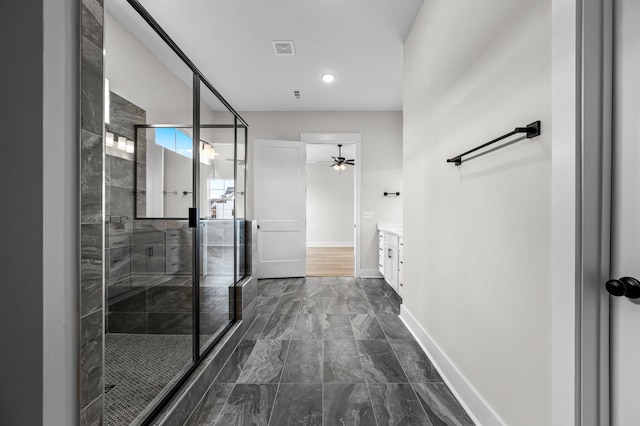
194, 217
625, 286
532, 130
187, 192
389, 253
386, 194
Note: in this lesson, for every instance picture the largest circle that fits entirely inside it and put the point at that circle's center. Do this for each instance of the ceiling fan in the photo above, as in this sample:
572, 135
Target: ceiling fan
340, 163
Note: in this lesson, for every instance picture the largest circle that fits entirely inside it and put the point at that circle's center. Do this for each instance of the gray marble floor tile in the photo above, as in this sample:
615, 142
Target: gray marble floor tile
335, 305
232, 368
248, 405
308, 326
393, 327
255, 329
211, 405
366, 327
395, 299
271, 289
441, 406
337, 327
265, 362
358, 305
330, 291
280, 325
313, 290
414, 361
379, 362
396, 404
311, 305
381, 305
304, 362
342, 362
266, 305
298, 404
347, 404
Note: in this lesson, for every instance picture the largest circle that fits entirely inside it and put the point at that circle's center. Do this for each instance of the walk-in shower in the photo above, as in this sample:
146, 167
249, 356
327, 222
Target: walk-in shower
174, 209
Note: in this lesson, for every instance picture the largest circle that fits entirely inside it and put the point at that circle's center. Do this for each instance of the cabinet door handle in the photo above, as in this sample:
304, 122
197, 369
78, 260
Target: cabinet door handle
389, 253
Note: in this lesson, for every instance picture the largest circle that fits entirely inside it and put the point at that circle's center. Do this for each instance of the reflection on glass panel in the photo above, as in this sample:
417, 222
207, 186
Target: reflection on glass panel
217, 209
148, 262
241, 150
168, 158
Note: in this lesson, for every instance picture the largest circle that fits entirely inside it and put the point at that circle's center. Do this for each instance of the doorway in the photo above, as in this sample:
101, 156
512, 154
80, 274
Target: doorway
350, 149
330, 209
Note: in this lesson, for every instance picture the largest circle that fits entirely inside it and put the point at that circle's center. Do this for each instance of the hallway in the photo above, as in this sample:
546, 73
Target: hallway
328, 351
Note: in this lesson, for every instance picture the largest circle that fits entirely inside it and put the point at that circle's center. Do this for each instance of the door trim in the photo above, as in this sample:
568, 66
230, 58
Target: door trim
581, 192
355, 138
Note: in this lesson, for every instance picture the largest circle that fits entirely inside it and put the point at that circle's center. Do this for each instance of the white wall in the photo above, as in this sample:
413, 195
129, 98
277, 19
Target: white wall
381, 160
330, 206
477, 237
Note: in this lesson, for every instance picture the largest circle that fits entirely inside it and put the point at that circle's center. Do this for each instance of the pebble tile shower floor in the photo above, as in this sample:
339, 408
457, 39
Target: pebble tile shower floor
328, 351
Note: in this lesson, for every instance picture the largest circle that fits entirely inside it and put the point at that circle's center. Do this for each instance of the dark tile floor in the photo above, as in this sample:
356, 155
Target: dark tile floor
328, 351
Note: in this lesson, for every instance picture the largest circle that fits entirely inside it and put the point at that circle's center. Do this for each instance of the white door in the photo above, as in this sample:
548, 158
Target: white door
625, 246
280, 207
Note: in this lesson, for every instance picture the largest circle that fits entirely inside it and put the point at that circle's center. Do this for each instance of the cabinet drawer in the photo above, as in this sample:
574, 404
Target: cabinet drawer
391, 240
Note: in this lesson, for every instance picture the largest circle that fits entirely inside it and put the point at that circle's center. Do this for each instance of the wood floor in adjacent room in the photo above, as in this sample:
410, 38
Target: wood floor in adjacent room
329, 261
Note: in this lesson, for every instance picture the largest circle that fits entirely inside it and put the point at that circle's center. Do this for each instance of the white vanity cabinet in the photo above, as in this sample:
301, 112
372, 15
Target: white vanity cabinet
390, 256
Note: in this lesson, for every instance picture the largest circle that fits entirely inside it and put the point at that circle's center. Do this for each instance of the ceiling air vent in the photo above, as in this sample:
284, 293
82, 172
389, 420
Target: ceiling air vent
283, 48
296, 94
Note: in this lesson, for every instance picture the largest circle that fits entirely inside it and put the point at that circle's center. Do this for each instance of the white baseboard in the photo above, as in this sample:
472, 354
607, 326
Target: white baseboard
479, 410
312, 244
368, 273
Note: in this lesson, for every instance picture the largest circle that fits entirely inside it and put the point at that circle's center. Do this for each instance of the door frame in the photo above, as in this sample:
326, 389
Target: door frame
582, 59
351, 138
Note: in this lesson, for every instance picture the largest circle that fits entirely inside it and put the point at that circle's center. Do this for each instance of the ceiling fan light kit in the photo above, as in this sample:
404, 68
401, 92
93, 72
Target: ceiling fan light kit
340, 163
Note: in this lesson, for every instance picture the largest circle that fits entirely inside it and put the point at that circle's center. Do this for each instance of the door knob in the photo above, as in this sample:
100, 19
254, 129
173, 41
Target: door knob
625, 286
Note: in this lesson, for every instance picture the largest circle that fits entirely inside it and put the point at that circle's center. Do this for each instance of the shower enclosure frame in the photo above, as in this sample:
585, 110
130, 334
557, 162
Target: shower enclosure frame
238, 123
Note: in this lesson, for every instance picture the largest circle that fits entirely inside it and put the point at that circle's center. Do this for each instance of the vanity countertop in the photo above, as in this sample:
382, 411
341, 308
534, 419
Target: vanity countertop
391, 228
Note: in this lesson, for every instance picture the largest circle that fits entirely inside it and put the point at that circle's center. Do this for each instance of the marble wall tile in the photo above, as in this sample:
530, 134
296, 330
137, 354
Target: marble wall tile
298, 404
342, 362
348, 404
169, 323
91, 105
127, 322
265, 362
121, 201
90, 268
91, 415
304, 362
249, 404
170, 299
379, 362
91, 164
133, 301
124, 115
441, 406
92, 18
120, 172
396, 404
91, 347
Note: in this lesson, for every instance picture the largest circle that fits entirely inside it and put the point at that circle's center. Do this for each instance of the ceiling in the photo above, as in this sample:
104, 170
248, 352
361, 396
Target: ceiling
360, 41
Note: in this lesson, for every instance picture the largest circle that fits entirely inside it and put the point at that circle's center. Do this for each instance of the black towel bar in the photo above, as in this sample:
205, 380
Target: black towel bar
532, 130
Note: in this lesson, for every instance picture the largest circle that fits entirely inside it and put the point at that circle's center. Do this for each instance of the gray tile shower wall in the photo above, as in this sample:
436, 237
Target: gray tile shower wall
90, 358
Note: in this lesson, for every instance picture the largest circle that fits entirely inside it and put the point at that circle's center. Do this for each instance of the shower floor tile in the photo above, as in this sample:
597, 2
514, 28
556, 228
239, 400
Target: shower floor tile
137, 368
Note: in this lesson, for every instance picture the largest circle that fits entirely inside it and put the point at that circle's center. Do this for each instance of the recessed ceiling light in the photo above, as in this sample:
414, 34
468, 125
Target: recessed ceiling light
328, 77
